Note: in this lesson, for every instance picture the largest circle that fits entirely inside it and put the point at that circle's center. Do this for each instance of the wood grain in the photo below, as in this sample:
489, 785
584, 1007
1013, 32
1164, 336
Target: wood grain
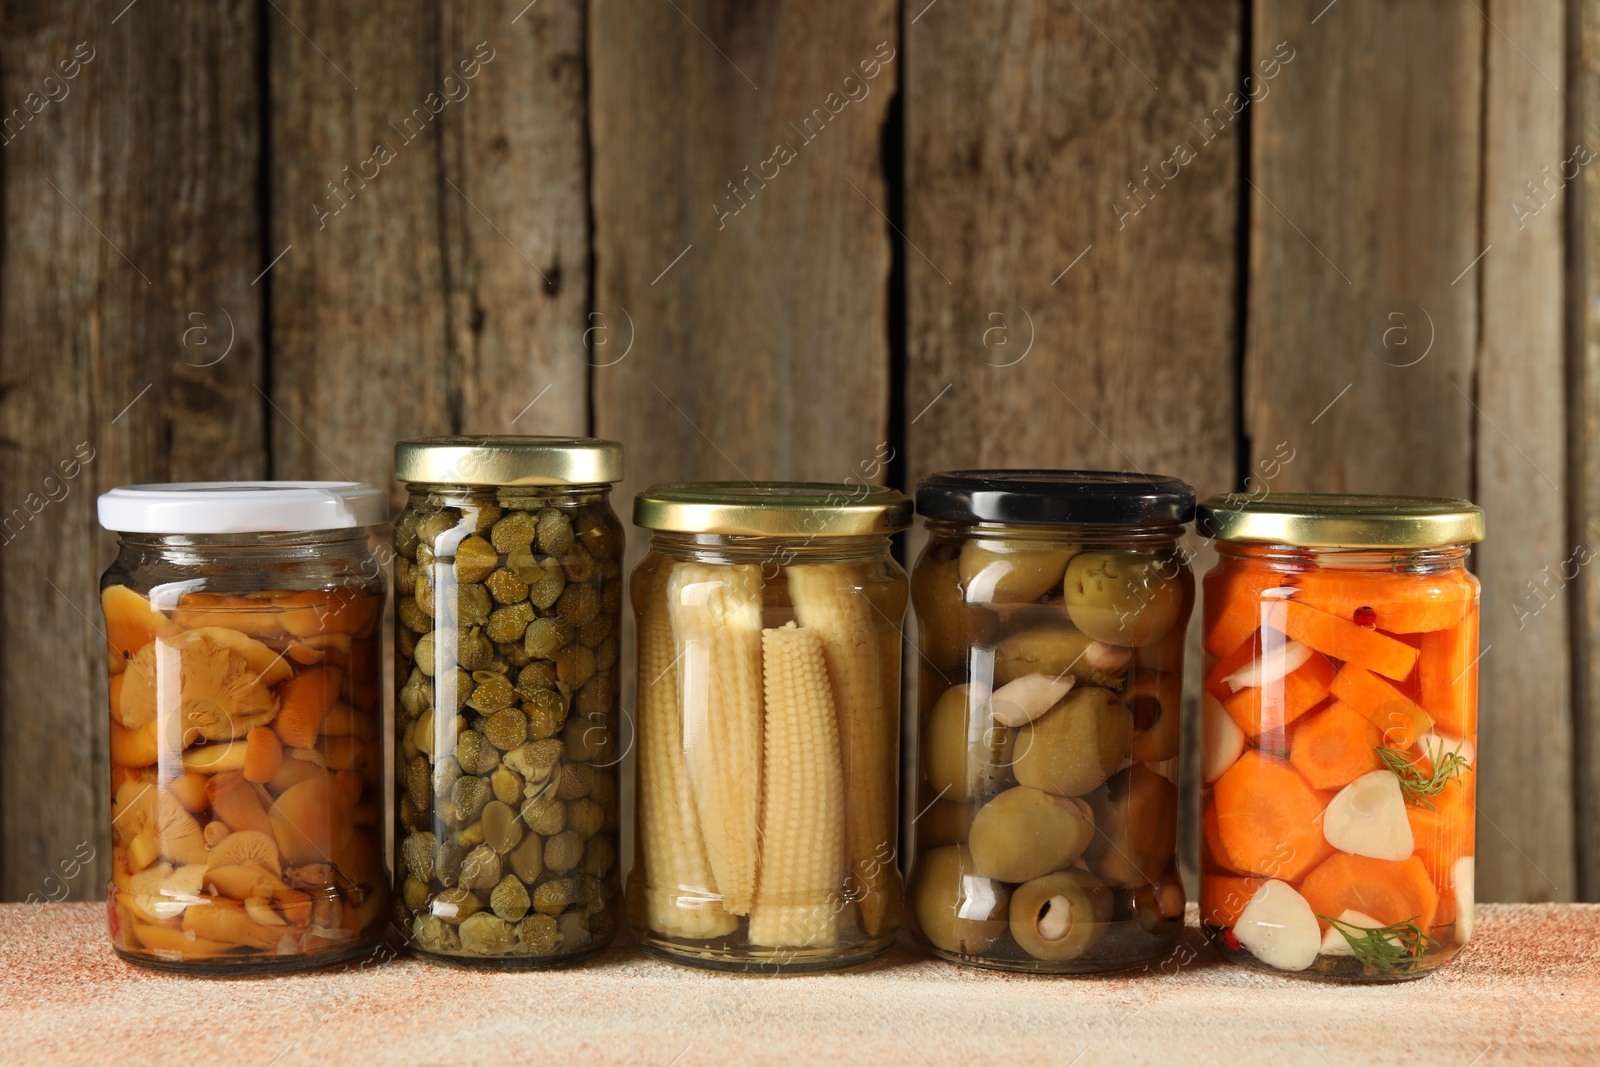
129, 333
515, 209
1024, 126
1583, 432
1366, 176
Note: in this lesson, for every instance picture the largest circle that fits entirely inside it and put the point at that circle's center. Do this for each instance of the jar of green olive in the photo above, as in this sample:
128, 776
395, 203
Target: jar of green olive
768, 725
508, 586
1051, 608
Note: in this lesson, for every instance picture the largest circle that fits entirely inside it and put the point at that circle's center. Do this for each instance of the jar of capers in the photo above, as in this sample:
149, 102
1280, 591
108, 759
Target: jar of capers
508, 586
1051, 610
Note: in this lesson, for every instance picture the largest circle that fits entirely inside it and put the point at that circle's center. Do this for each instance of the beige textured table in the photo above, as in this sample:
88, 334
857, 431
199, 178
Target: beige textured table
1527, 990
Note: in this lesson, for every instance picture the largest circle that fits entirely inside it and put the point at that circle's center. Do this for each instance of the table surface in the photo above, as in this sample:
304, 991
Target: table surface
1526, 990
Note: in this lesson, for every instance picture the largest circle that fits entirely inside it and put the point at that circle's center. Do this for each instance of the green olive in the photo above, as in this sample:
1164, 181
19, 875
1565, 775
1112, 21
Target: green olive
957, 909
486, 934
1060, 916
1011, 572
1124, 598
1024, 833
945, 822
1155, 702
964, 752
1075, 745
1056, 649
947, 626
1136, 827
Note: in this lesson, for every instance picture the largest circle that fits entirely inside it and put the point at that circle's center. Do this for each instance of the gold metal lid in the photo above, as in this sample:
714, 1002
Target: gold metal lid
772, 509
1338, 520
508, 461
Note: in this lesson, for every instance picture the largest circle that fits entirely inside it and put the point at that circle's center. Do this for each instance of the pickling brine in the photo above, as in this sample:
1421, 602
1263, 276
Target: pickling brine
1340, 736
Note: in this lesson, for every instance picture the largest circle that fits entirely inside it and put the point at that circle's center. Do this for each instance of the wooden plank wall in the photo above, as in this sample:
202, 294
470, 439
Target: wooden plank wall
756, 242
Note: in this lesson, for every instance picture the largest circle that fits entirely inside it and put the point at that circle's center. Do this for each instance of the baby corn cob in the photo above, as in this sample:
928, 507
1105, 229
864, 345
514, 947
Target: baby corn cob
802, 809
674, 852
826, 599
716, 630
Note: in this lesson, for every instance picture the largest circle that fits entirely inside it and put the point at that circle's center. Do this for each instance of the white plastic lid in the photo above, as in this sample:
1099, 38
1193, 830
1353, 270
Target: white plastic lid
241, 507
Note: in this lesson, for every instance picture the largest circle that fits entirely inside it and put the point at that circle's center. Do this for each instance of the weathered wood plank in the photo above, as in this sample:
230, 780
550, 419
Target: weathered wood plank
360, 355
515, 203
1583, 307
1054, 316
129, 333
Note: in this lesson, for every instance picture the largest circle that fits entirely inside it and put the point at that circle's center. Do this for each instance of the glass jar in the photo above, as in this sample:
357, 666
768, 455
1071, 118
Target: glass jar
508, 598
1340, 733
246, 725
768, 725
1051, 610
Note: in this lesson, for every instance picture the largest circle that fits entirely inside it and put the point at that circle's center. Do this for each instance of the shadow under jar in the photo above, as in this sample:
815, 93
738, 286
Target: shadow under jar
508, 599
242, 625
768, 725
1051, 609
1340, 733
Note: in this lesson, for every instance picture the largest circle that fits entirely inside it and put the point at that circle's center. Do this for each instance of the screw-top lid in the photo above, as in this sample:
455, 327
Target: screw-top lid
508, 461
1055, 497
1340, 520
772, 509
241, 507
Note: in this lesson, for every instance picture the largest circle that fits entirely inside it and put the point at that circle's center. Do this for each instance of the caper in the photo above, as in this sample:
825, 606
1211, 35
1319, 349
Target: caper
469, 794
1074, 746
552, 897
406, 641
506, 729
423, 654
584, 817
540, 674
956, 908
576, 780
481, 868
474, 650
491, 692
405, 534
1025, 833
1060, 916
546, 637
544, 815
419, 785
470, 836
475, 559
506, 784
453, 687
423, 593
447, 869
586, 739
563, 851
417, 694
527, 859
401, 916
598, 696
1136, 827
590, 892
506, 587
433, 934
419, 851
595, 534
555, 533
509, 899
487, 934
435, 526
413, 617
539, 935
574, 927
605, 654
445, 773
1124, 598
482, 518
574, 665
611, 588
546, 581
578, 604
1011, 572
512, 654
579, 565
502, 830
604, 793
455, 904
415, 892
599, 853
595, 630
474, 753
514, 533
509, 623
534, 760
546, 710
965, 753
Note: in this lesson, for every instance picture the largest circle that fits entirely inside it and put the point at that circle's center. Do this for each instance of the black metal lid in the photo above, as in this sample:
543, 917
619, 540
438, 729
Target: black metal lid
1048, 498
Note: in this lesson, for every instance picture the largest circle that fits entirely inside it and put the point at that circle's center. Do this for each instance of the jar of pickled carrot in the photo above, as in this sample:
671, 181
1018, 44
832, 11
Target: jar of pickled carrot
1340, 733
242, 629
768, 725
1051, 609
508, 622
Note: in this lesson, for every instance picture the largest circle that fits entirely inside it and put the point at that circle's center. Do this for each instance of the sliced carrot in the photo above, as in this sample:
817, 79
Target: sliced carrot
1398, 719
1223, 897
131, 623
1260, 711
1444, 833
1397, 603
1238, 658
304, 700
1449, 676
1391, 891
1343, 640
263, 755
1269, 819
1236, 604
1212, 853
1335, 746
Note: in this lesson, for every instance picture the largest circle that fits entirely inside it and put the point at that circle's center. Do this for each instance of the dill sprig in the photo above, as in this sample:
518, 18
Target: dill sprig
1384, 948
1417, 784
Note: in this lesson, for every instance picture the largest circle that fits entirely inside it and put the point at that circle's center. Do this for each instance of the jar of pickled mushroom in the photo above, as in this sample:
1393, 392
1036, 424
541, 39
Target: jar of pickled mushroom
1340, 733
768, 725
508, 598
242, 623
1051, 609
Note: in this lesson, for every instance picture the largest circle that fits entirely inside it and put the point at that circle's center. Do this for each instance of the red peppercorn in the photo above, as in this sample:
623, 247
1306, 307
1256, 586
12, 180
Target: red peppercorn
1233, 942
1365, 616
